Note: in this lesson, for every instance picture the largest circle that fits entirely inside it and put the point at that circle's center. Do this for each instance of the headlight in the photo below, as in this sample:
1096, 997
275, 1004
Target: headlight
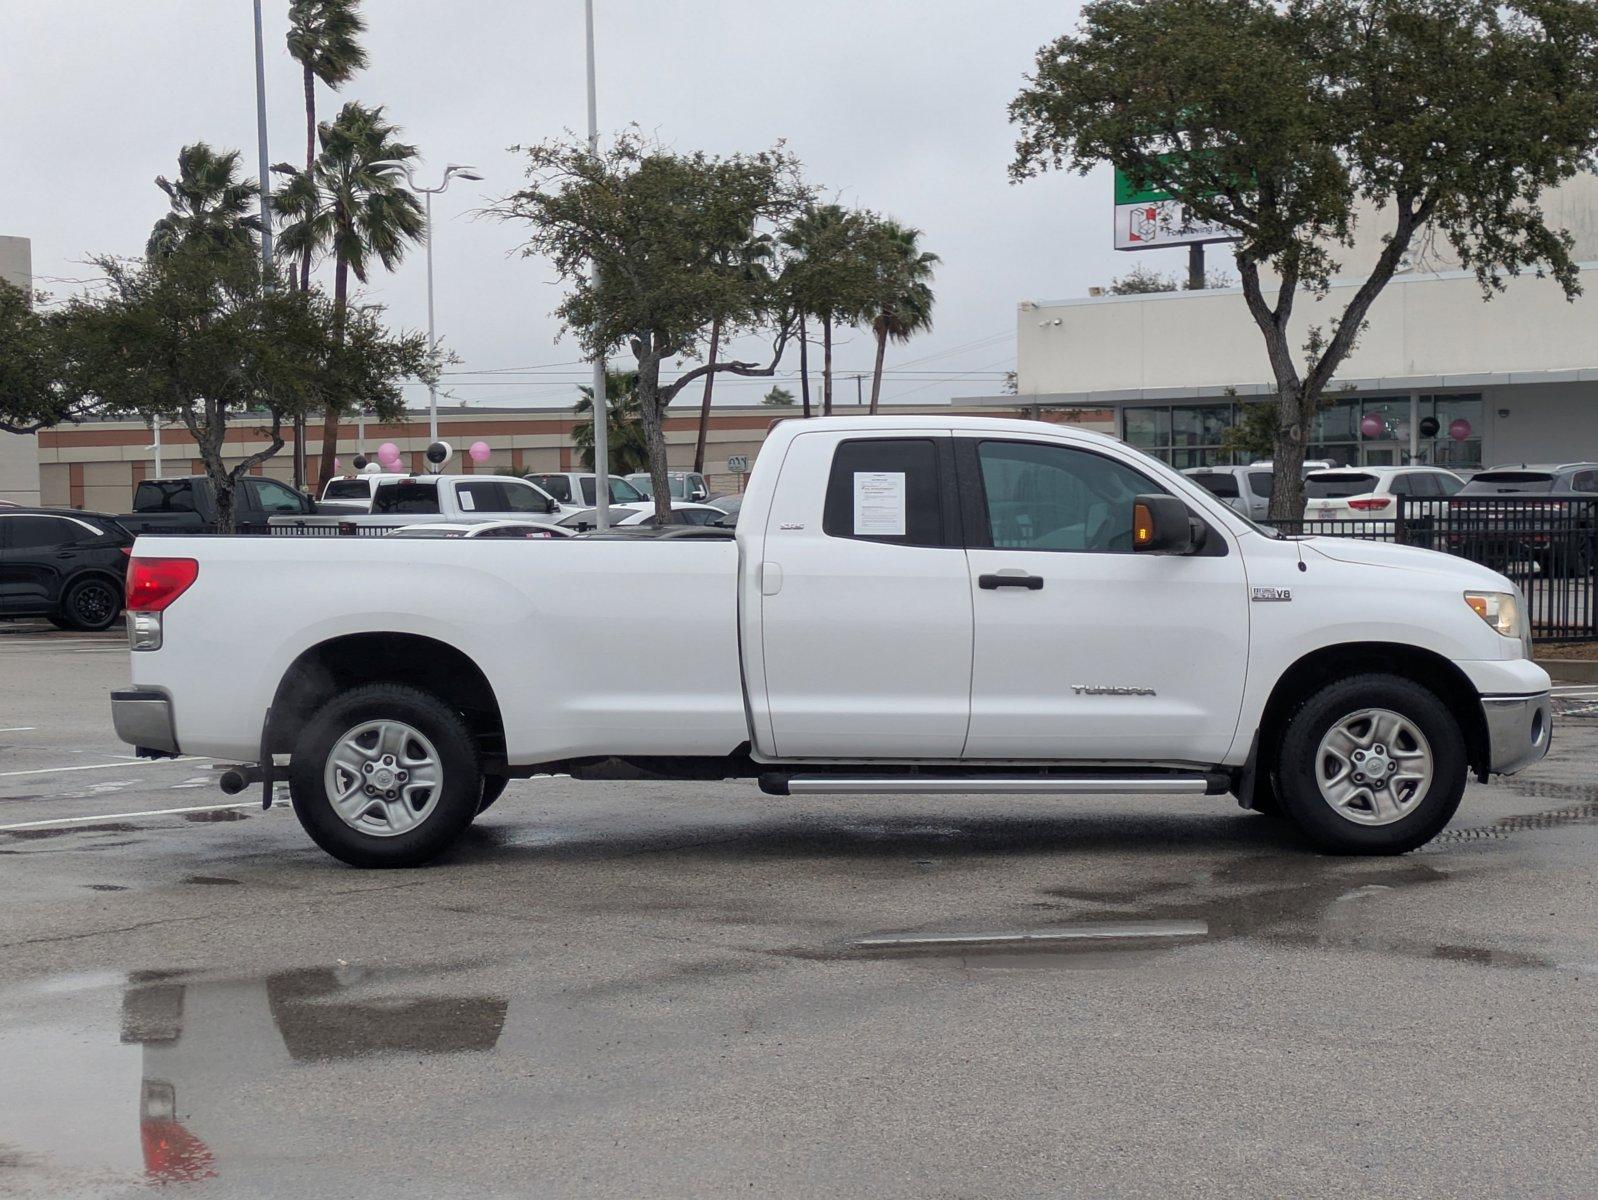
1505, 612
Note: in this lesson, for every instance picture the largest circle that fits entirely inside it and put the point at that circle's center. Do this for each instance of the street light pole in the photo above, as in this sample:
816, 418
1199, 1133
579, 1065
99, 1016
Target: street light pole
452, 171
260, 139
601, 401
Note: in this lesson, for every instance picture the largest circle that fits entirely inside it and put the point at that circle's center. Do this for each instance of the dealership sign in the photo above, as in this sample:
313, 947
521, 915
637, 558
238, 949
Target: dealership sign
1147, 218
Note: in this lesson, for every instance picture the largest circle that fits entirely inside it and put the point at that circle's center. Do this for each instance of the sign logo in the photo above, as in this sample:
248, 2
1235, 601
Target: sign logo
1272, 593
1095, 689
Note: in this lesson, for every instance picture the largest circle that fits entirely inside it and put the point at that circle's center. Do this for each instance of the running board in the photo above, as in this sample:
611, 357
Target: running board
994, 785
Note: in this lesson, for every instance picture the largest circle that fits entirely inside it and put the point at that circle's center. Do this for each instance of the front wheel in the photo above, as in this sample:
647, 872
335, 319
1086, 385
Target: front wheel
1374, 764
385, 776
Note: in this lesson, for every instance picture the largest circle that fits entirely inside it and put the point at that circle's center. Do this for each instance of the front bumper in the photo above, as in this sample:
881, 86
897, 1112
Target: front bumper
1519, 729
143, 719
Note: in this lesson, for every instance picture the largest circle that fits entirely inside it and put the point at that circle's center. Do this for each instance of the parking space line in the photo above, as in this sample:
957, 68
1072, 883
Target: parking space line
137, 762
18, 728
103, 817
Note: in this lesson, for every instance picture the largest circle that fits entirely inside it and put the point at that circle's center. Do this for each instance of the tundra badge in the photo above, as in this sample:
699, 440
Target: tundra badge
1273, 593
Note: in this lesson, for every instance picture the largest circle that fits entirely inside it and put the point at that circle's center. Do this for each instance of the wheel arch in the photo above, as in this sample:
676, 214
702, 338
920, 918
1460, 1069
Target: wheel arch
349, 660
1329, 663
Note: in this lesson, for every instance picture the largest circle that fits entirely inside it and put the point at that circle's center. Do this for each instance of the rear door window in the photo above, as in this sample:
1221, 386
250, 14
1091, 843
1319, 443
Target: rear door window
1261, 482
1333, 485
406, 496
482, 495
888, 490
1218, 483
275, 497
558, 486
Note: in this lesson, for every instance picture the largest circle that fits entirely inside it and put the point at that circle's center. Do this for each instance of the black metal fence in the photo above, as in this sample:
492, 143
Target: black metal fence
1547, 544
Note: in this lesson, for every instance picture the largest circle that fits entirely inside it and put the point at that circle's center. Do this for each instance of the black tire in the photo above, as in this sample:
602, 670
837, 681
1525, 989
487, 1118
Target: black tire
91, 604
1297, 767
493, 789
452, 810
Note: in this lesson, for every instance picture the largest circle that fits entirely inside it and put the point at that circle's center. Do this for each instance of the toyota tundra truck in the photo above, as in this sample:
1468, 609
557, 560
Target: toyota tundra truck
910, 604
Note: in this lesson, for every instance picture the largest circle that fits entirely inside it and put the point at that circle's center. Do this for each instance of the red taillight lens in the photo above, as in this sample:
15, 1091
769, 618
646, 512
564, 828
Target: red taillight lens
153, 583
1374, 504
126, 550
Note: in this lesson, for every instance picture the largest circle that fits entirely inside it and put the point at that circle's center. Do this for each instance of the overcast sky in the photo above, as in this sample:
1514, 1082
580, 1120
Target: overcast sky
895, 105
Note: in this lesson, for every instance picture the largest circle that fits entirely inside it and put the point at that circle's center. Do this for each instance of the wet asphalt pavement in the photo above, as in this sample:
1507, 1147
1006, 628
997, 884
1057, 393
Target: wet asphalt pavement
652, 990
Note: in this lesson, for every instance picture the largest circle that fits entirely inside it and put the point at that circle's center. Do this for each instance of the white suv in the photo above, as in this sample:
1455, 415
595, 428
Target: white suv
1367, 493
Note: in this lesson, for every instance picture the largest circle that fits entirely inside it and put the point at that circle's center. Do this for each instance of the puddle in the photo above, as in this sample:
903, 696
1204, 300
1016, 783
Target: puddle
161, 1071
36, 835
1282, 901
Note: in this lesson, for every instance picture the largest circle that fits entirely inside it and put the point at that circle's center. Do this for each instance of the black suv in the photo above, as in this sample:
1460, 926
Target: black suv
65, 565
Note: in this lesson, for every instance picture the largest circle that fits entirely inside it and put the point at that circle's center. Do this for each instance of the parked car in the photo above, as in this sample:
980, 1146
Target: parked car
65, 565
353, 493
1247, 489
487, 529
916, 604
187, 504
1530, 526
685, 485
581, 489
1367, 493
433, 500
730, 507
681, 514
1544, 479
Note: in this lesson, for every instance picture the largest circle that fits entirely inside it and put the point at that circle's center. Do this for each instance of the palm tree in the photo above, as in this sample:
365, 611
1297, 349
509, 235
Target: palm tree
323, 39
750, 261
904, 307
349, 208
825, 278
210, 204
625, 441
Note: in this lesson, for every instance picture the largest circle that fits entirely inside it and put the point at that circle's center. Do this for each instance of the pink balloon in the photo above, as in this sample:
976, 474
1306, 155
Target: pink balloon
480, 452
1372, 426
388, 452
1459, 430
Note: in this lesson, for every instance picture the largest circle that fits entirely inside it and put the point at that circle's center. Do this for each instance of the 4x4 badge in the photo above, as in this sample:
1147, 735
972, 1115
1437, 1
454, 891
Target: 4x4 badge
1273, 593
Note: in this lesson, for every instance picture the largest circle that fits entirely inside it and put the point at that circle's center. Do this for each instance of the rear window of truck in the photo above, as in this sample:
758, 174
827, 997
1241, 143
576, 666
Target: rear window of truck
1217, 483
164, 495
346, 489
405, 497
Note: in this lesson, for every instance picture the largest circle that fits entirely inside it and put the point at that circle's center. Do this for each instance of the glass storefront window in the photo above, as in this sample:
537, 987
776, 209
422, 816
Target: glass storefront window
1148, 428
1444, 450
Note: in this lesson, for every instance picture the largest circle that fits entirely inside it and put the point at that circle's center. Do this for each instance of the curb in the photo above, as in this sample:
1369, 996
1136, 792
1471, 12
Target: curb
1570, 670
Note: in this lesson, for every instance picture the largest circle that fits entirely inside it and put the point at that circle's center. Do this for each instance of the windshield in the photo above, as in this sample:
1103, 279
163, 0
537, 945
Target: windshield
621, 492
1333, 485
407, 496
346, 489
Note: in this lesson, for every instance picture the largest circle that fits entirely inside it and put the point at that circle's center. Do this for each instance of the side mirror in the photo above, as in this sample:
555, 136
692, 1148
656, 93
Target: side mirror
551, 506
1162, 525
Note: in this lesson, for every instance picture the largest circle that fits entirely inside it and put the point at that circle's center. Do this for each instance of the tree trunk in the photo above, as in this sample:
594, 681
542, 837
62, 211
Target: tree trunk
704, 406
1293, 423
876, 372
310, 162
826, 366
804, 364
341, 285
654, 432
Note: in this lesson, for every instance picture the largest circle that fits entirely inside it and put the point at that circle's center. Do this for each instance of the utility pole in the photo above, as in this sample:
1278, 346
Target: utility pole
601, 401
858, 398
260, 140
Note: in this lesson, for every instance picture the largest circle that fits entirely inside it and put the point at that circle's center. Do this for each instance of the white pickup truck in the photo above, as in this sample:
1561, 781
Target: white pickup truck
400, 500
911, 604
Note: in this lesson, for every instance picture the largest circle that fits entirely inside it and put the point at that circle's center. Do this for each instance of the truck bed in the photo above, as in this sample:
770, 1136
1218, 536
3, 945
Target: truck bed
625, 646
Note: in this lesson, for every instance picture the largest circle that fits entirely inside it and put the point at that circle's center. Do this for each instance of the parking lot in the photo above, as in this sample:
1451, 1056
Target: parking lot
656, 989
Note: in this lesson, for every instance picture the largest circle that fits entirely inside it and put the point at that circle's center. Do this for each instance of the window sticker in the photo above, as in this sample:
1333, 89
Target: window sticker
468, 502
879, 499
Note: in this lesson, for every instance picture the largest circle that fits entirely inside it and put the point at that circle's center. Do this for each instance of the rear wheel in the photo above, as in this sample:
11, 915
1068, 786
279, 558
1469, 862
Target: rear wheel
385, 776
91, 604
1374, 764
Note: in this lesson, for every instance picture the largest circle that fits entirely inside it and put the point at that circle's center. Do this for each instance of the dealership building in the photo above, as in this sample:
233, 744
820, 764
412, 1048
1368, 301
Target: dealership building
1452, 379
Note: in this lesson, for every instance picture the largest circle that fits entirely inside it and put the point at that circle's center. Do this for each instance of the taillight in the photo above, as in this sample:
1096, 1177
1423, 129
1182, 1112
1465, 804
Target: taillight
1374, 504
127, 551
153, 583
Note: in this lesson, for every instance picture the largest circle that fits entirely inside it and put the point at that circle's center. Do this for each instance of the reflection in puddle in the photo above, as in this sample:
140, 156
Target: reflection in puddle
189, 1066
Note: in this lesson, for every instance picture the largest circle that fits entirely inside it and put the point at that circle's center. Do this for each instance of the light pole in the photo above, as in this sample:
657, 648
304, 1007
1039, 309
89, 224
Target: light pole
452, 171
601, 400
260, 145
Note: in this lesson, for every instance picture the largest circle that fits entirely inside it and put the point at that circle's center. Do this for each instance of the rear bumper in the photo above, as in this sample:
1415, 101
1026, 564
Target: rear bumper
143, 719
1519, 729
